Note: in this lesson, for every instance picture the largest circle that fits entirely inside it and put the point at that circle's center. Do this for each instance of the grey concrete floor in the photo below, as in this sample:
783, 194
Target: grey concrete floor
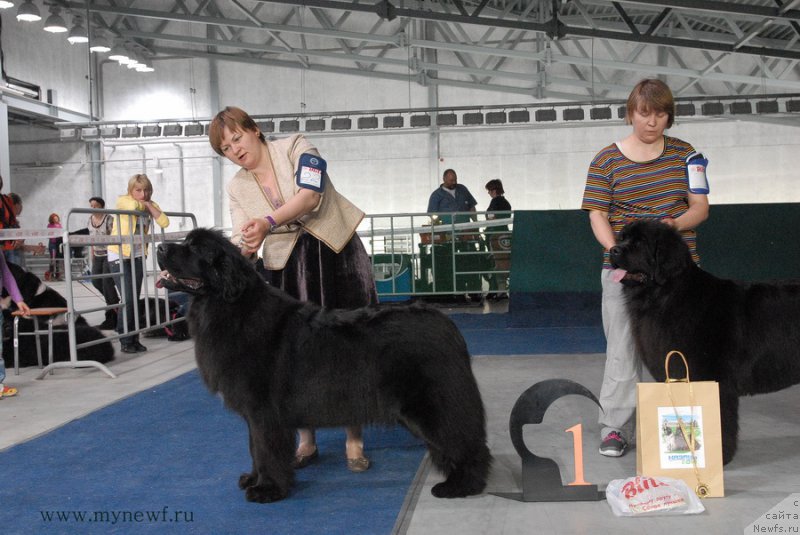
765, 471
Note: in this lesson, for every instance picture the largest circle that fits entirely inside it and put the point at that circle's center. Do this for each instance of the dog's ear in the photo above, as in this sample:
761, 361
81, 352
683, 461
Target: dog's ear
671, 256
231, 285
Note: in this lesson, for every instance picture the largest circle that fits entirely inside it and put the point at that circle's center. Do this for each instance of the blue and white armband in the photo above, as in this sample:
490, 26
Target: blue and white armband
311, 172
696, 165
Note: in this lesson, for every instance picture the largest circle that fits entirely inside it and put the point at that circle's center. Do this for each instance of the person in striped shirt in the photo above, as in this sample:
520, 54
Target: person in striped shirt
642, 176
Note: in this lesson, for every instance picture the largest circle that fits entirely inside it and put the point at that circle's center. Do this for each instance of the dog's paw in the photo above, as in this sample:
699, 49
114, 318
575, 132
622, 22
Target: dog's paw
246, 480
265, 494
449, 489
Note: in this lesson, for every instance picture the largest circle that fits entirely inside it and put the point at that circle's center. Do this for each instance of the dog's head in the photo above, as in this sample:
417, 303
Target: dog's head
648, 252
205, 263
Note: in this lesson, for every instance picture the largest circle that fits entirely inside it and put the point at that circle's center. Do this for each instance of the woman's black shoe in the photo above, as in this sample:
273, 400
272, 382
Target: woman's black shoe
135, 347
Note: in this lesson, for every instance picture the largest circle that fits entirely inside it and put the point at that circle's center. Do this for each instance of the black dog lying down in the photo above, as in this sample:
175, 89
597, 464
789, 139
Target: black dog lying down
284, 364
744, 336
38, 295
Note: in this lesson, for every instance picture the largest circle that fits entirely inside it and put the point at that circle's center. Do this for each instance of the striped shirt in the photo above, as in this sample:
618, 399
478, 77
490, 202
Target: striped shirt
632, 190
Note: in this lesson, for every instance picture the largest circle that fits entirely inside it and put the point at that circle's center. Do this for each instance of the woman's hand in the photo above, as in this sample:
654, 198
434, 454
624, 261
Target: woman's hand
25, 309
253, 233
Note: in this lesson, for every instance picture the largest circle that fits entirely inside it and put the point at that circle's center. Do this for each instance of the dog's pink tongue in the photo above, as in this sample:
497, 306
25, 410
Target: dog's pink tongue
618, 275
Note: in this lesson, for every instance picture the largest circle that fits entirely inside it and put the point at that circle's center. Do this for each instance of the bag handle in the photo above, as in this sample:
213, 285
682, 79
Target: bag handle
666, 368
701, 489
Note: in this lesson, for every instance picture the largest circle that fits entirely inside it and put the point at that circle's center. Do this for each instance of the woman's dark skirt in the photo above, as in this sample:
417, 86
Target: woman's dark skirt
317, 274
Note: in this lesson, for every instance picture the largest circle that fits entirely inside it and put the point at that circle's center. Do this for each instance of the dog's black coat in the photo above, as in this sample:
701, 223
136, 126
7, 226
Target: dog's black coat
175, 332
743, 335
38, 295
284, 364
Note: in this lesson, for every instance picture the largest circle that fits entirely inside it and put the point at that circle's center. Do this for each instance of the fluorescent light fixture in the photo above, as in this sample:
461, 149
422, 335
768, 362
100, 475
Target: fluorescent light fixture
573, 114
519, 116
170, 130
599, 113
420, 120
55, 23
99, 43
266, 126
393, 121
712, 108
91, 132
119, 54
685, 109
69, 134
194, 129
315, 125
741, 107
496, 117
367, 122
290, 125
109, 131
78, 33
129, 131
446, 119
340, 123
545, 115
472, 118
151, 130
28, 12
5, 4
767, 106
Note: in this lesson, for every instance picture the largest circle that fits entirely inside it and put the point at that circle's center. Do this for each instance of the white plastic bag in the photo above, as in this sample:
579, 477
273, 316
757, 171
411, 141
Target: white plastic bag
650, 496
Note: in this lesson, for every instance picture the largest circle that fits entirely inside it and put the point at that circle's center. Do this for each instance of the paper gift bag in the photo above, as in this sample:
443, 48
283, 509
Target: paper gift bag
678, 431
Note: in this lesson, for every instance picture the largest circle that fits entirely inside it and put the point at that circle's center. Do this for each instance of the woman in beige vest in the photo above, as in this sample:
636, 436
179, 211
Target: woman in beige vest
283, 203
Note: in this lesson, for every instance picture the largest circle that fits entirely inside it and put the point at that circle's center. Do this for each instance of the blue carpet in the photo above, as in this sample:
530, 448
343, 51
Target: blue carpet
167, 460
499, 334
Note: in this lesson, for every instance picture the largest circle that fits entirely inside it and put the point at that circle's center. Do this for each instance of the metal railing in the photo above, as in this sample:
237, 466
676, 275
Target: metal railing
418, 254
140, 242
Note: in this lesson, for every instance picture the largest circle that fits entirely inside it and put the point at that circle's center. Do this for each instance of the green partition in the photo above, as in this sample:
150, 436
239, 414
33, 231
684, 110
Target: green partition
555, 250
751, 241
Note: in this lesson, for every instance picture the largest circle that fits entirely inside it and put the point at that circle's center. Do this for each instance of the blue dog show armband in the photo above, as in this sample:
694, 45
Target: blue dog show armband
696, 165
311, 172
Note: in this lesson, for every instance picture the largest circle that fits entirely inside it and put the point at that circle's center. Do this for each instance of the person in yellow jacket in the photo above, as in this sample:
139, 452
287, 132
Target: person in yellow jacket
130, 260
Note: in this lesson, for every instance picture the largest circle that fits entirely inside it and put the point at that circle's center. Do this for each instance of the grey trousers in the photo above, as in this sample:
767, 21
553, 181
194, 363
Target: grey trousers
623, 369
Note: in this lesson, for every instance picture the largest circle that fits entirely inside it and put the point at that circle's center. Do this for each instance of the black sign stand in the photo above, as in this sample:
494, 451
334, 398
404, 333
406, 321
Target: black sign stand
541, 477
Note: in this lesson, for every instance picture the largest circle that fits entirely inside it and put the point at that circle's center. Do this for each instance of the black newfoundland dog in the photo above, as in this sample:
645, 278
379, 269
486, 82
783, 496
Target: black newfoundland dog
38, 295
743, 335
284, 364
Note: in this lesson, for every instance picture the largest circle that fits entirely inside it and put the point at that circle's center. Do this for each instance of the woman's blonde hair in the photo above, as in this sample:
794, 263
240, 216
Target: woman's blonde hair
140, 180
651, 95
235, 119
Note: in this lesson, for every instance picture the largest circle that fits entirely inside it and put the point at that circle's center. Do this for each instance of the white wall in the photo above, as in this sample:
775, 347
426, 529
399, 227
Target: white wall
541, 168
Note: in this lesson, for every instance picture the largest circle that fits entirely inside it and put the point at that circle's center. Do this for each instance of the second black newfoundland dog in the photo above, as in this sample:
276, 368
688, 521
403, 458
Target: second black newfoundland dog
284, 364
38, 295
743, 335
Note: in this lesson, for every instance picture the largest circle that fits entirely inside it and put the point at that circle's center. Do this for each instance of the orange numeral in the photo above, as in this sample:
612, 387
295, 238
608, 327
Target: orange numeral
577, 446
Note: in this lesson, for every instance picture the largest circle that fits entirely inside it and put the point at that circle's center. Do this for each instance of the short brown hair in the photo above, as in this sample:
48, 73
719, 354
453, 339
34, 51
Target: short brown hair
651, 95
235, 119
495, 185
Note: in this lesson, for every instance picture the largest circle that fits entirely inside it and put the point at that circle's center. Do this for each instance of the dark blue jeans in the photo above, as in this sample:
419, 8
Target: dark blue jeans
130, 295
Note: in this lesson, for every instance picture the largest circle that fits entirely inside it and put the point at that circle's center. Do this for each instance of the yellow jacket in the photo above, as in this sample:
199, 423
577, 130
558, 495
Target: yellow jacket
127, 223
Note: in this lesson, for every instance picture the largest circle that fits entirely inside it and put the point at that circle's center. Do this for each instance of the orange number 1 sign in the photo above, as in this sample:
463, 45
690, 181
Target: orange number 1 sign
577, 446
